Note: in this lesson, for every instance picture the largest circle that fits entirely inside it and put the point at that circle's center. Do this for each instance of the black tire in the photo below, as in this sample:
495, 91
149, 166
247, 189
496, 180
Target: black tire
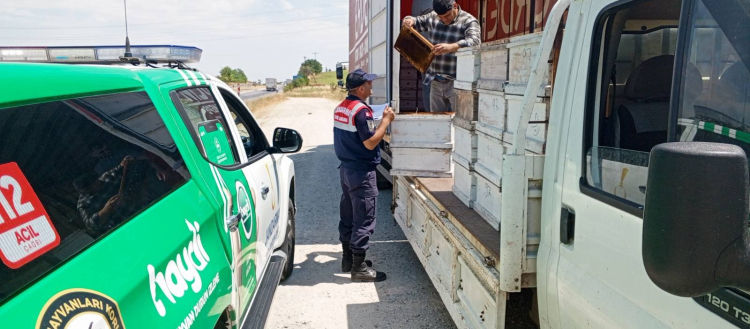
289, 243
224, 322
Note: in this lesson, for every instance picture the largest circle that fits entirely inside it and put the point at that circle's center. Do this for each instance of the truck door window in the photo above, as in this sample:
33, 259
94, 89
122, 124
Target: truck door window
628, 98
252, 136
93, 162
714, 103
201, 113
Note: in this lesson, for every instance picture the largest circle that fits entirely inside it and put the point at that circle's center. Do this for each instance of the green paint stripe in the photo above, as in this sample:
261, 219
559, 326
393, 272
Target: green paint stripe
711, 127
743, 136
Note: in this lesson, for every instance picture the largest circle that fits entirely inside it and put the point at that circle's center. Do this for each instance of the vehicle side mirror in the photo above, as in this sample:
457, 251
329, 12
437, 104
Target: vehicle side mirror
286, 140
695, 220
339, 73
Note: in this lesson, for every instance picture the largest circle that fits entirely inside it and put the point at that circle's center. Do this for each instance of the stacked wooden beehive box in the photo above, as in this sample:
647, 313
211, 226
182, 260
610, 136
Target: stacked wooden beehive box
503, 69
464, 125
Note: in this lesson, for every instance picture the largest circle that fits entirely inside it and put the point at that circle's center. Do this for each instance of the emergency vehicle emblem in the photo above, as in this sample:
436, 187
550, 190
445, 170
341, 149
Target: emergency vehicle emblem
80, 309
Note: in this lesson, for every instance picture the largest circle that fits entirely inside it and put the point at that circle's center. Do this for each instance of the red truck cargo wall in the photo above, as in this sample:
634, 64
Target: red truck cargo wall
405, 8
359, 46
495, 19
471, 6
507, 18
542, 8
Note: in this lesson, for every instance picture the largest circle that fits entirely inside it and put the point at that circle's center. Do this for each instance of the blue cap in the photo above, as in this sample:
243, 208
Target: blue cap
357, 78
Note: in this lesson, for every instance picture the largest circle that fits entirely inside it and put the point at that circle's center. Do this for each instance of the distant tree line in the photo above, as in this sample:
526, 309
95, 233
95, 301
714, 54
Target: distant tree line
227, 74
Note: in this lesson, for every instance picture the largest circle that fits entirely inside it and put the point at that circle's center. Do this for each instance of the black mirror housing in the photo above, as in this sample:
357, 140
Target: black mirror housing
696, 218
286, 140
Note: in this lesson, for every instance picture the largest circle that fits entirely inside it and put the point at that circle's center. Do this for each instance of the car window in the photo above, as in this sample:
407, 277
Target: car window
252, 137
201, 113
71, 171
628, 104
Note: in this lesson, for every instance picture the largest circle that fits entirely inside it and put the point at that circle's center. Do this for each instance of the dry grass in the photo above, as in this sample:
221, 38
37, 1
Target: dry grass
318, 92
258, 105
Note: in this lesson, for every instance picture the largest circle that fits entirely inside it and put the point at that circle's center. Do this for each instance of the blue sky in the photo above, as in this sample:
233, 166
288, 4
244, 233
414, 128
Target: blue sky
263, 38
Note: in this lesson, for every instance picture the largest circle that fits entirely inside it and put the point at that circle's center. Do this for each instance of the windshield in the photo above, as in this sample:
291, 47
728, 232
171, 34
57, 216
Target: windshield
715, 89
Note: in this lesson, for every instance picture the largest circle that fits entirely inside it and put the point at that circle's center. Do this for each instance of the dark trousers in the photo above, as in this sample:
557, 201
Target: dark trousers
359, 201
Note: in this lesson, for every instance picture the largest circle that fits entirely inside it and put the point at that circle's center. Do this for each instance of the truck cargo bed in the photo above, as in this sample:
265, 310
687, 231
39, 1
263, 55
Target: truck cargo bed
468, 221
459, 250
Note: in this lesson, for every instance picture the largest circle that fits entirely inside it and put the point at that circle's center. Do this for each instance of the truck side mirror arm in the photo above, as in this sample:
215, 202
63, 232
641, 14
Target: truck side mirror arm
695, 225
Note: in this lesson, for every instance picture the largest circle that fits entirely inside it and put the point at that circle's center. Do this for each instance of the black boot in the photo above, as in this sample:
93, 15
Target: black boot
361, 272
346, 260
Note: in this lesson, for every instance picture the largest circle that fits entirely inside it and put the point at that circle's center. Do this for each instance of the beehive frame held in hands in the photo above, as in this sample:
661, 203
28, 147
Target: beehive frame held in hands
415, 48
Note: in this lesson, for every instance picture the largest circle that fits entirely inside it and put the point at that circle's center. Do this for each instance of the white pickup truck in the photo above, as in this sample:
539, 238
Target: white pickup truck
538, 180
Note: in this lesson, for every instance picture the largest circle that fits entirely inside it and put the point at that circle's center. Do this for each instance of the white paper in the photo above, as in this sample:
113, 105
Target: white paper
377, 111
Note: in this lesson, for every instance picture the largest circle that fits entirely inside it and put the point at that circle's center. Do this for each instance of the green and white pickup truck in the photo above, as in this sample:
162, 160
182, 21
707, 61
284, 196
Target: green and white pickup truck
136, 197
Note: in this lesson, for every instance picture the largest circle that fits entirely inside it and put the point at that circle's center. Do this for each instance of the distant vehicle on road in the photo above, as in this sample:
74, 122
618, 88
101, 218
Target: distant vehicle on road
270, 84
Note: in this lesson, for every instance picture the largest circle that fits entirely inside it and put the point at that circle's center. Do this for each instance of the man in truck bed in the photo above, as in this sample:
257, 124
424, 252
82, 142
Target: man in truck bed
449, 28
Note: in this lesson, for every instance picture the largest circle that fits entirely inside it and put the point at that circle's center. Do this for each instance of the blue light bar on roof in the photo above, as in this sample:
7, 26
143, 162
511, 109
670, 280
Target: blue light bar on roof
93, 54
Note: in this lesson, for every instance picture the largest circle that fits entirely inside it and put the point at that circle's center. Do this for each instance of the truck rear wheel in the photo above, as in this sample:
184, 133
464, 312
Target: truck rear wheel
289, 243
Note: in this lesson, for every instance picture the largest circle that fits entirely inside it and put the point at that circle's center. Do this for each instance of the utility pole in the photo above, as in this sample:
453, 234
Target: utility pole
316, 56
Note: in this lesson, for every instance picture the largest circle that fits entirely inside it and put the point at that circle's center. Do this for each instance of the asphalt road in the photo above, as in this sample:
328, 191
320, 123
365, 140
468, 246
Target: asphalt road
251, 94
317, 295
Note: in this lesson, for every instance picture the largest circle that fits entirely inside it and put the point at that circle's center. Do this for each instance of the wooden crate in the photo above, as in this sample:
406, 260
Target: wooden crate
491, 112
421, 162
493, 72
409, 74
467, 66
407, 84
489, 205
499, 115
465, 142
520, 56
489, 201
421, 144
536, 132
409, 105
464, 184
467, 105
489, 162
411, 94
422, 130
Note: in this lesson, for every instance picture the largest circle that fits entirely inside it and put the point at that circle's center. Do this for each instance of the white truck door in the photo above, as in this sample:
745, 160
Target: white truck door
260, 171
617, 117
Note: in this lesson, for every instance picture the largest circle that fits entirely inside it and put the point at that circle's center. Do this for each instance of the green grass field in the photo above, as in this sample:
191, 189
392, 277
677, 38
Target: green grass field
327, 78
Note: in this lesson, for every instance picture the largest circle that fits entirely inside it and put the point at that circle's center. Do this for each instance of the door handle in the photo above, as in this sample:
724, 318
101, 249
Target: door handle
233, 222
264, 192
567, 225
